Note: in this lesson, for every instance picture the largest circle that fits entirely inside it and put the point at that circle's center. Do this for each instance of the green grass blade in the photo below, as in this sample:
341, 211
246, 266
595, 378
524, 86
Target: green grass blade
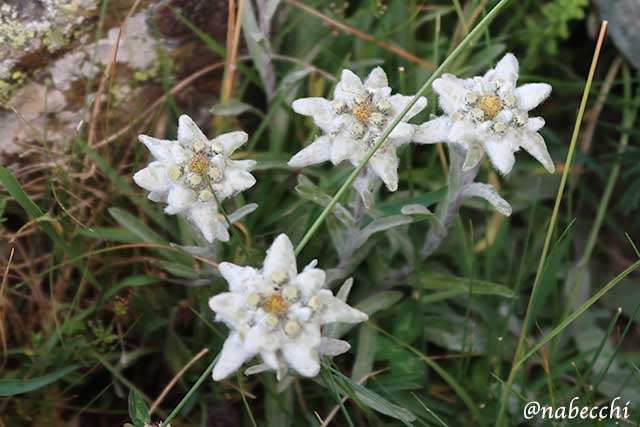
33, 211
190, 393
501, 420
452, 382
12, 387
573, 316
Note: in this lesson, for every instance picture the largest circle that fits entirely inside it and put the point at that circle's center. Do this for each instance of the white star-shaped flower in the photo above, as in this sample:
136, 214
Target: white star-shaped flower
191, 173
277, 313
352, 123
490, 114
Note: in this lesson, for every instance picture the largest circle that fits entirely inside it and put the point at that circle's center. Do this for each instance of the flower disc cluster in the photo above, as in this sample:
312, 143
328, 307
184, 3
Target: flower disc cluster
354, 120
193, 174
490, 114
277, 313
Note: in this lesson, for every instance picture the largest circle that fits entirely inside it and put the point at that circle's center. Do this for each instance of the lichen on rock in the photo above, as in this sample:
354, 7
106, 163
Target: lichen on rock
49, 46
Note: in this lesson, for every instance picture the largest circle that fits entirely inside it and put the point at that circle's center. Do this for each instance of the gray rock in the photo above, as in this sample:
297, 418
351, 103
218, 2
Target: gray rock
624, 26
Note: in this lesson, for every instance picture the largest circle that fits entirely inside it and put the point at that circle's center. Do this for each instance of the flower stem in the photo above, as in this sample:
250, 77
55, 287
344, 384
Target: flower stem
358, 212
341, 270
422, 91
448, 209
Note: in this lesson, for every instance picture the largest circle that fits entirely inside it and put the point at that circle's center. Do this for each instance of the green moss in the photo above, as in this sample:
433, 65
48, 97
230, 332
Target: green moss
142, 76
9, 87
54, 39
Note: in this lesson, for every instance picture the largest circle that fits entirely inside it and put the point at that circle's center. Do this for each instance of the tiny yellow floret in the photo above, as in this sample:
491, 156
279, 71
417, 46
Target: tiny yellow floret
490, 105
362, 112
199, 164
276, 305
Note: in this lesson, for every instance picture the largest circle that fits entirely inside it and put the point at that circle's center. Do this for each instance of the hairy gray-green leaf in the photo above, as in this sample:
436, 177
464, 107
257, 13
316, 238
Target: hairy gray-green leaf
272, 6
415, 209
292, 78
240, 213
138, 411
345, 289
377, 225
475, 152
488, 193
233, 107
255, 42
366, 352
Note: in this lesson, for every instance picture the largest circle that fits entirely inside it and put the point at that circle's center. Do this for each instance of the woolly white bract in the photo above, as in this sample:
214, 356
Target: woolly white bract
190, 174
352, 123
490, 114
277, 313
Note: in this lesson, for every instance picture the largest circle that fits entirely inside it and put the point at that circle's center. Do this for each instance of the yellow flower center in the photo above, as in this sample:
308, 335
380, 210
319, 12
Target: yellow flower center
363, 112
275, 305
491, 105
199, 164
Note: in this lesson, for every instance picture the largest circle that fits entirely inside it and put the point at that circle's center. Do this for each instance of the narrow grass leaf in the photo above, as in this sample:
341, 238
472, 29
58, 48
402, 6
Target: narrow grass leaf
13, 387
376, 402
459, 285
136, 227
573, 316
33, 211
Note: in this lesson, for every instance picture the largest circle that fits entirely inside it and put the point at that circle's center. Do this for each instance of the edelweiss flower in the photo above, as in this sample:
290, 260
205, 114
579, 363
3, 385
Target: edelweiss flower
191, 173
489, 114
277, 313
353, 122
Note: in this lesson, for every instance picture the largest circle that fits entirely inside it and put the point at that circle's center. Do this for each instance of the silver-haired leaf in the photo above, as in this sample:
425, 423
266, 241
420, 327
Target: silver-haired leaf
232, 107
475, 152
333, 347
345, 289
380, 224
415, 209
292, 78
255, 42
242, 212
487, 192
257, 369
366, 352
272, 6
